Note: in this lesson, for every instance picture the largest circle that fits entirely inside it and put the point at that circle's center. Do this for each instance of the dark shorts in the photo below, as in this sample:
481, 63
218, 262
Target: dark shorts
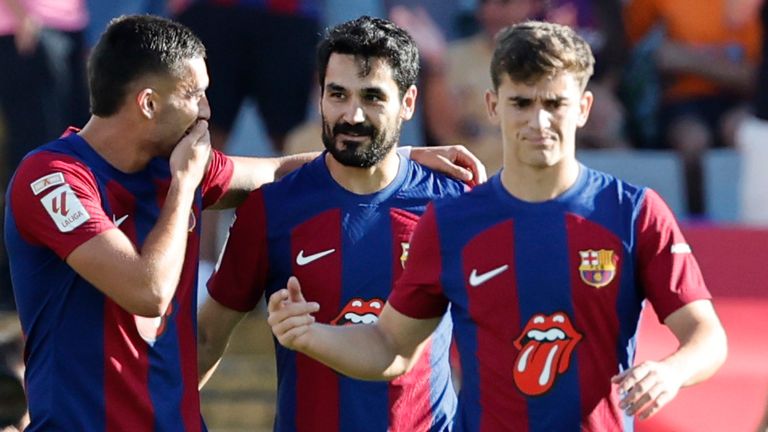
709, 110
255, 54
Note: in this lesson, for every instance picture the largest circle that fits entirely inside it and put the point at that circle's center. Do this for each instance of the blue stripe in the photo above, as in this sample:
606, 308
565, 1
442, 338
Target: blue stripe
285, 412
366, 244
541, 243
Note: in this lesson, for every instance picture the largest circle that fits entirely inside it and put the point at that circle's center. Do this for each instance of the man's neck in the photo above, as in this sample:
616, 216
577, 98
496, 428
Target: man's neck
364, 181
540, 184
117, 143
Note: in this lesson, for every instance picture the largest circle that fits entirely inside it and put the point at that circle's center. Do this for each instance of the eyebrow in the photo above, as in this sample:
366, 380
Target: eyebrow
365, 90
525, 98
334, 87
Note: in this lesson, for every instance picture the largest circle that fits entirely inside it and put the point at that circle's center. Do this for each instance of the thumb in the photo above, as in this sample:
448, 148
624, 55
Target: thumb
294, 290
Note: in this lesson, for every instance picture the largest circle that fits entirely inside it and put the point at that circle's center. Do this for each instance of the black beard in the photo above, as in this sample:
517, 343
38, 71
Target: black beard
355, 153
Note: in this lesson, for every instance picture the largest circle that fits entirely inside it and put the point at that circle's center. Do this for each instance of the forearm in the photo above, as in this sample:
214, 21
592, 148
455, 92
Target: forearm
734, 75
251, 173
209, 354
360, 351
163, 253
700, 353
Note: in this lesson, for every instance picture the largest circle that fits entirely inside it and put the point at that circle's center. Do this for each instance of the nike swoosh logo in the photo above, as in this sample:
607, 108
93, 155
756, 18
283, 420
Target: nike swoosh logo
304, 260
479, 279
118, 222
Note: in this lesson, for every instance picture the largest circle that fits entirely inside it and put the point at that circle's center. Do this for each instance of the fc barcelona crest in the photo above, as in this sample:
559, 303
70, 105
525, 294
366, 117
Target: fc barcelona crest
598, 267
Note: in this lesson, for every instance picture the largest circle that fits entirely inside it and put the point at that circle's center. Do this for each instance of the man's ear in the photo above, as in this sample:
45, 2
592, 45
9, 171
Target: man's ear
491, 105
585, 106
146, 100
408, 106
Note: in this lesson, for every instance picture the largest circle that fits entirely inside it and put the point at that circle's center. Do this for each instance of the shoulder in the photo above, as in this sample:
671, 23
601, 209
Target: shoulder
48, 167
604, 186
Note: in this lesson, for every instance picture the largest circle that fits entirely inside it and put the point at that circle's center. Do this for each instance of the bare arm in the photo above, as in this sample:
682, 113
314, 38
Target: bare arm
215, 324
673, 57
144, 282
250, 173
380, 351
703, 348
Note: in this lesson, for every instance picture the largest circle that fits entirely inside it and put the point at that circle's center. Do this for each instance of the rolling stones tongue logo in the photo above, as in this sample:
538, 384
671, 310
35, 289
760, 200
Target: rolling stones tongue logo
546, 344
359, 311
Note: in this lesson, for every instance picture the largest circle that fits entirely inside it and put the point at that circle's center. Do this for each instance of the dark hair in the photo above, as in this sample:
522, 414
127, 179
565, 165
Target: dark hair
367, 38
533, 50
134, 46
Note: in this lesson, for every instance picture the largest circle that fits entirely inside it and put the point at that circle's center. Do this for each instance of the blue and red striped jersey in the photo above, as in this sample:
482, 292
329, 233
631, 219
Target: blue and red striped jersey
546, 297
347, 250
90, 365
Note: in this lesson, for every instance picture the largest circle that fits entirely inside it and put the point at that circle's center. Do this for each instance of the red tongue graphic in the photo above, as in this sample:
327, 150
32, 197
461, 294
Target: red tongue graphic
537, 365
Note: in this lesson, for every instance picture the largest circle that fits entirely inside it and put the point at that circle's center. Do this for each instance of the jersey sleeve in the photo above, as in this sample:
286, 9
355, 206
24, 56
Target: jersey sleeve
241, 273
55, 202
668, 271
217, 180
418, 292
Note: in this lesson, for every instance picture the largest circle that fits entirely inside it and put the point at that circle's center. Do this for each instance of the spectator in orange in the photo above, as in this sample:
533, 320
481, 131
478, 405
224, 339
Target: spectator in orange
707, 61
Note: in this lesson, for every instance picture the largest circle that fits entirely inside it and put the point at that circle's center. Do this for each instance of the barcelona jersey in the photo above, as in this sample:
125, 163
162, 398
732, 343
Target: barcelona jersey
546, 297
91, 365
347, 250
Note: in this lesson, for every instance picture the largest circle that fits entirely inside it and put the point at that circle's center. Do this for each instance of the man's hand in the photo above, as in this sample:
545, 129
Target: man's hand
189, 158
454, 160
646, 388
290, 315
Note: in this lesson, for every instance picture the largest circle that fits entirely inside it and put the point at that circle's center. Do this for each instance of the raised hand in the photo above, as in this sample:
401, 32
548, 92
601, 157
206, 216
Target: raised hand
190, 156
290, 315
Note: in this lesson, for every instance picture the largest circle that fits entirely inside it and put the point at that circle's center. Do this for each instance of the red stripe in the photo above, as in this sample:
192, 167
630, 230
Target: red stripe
494, 307
410, 407
190, 400
409, 395
317, 386
595, 317
126, 371
126, 375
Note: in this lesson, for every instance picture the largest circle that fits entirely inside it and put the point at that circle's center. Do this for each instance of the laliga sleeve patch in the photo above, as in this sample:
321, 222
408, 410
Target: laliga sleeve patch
65, 208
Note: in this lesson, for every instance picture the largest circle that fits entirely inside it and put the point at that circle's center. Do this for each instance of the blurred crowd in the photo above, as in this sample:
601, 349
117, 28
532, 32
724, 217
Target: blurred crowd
675, 75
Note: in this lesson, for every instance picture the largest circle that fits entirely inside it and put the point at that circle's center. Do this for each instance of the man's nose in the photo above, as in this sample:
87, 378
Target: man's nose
354, 114
541, 119
204, 108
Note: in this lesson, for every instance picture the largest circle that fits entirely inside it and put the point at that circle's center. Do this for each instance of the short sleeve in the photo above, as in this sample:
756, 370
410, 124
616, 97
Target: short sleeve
668, 271
55, 202
418, 292
241, 273
217, 180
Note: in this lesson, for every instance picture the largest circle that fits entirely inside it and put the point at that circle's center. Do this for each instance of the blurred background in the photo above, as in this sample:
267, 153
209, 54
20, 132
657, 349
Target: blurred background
681, 106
